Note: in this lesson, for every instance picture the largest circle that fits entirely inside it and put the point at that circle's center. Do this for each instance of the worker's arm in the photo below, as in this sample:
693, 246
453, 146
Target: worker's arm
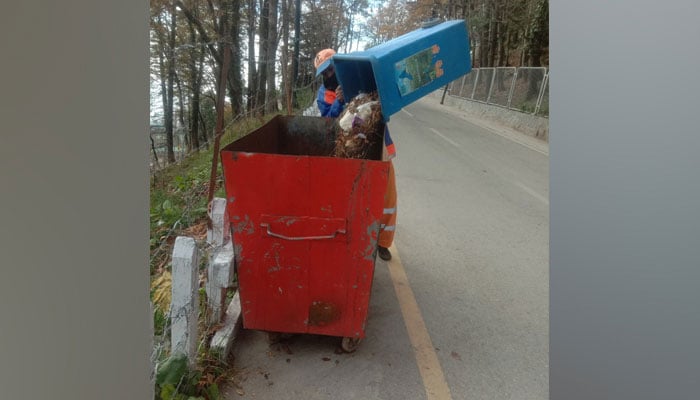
328, 103
335, 109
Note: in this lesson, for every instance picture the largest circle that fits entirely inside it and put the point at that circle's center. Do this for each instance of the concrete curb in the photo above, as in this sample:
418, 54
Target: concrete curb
531, 125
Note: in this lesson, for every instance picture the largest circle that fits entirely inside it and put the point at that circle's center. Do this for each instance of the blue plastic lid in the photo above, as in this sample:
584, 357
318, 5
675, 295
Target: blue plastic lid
408, 67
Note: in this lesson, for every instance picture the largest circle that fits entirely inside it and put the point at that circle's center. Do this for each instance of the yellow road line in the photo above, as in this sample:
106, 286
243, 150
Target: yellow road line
430, 370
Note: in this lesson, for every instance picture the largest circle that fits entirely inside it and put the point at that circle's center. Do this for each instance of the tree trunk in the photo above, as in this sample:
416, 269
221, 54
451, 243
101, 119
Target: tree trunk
252, 74
502, 35
524, 60
194, 121
295, 59
337, 26
493, 26
163, 68
168, 109
484, 36
348, 34
284, 70
234, 76
205, 130
508, 27
271, 97
181, 105
263, 55
466, 15
196, 84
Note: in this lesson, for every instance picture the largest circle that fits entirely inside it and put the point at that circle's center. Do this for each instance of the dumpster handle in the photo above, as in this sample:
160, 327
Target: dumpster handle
277, 235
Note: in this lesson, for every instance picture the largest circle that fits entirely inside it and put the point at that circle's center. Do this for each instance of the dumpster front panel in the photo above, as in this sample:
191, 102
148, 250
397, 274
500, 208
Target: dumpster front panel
305, 230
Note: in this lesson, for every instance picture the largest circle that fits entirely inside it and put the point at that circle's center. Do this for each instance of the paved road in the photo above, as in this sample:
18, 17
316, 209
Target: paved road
462, 312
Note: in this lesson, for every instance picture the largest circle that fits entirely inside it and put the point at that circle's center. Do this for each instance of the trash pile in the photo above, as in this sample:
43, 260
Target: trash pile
360, 128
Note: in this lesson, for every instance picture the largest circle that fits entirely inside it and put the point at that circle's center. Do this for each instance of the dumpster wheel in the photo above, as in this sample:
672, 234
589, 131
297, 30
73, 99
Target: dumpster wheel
349, 345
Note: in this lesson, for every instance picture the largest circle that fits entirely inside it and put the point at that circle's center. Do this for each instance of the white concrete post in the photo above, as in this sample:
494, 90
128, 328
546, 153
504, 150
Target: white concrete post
220, 268
220, 231
219, 278
184, 310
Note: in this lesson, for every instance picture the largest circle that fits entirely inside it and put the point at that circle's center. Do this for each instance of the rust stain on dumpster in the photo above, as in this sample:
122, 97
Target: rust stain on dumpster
322, 313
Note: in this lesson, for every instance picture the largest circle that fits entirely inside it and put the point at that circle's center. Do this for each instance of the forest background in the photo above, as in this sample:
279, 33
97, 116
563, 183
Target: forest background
271, 45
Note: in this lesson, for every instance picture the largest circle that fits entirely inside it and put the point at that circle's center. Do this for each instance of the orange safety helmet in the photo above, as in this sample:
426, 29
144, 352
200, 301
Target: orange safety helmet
323, 60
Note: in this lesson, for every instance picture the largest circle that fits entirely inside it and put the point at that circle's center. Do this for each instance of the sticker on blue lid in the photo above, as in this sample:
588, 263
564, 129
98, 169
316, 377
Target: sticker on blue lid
418, 70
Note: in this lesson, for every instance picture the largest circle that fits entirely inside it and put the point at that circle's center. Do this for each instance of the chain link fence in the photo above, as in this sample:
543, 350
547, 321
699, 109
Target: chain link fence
525, 89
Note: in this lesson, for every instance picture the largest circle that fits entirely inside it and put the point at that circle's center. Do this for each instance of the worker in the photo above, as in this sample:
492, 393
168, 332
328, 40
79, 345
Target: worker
331, 101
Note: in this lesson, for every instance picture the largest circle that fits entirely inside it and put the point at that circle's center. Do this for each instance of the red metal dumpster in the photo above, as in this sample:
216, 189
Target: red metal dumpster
304, 227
